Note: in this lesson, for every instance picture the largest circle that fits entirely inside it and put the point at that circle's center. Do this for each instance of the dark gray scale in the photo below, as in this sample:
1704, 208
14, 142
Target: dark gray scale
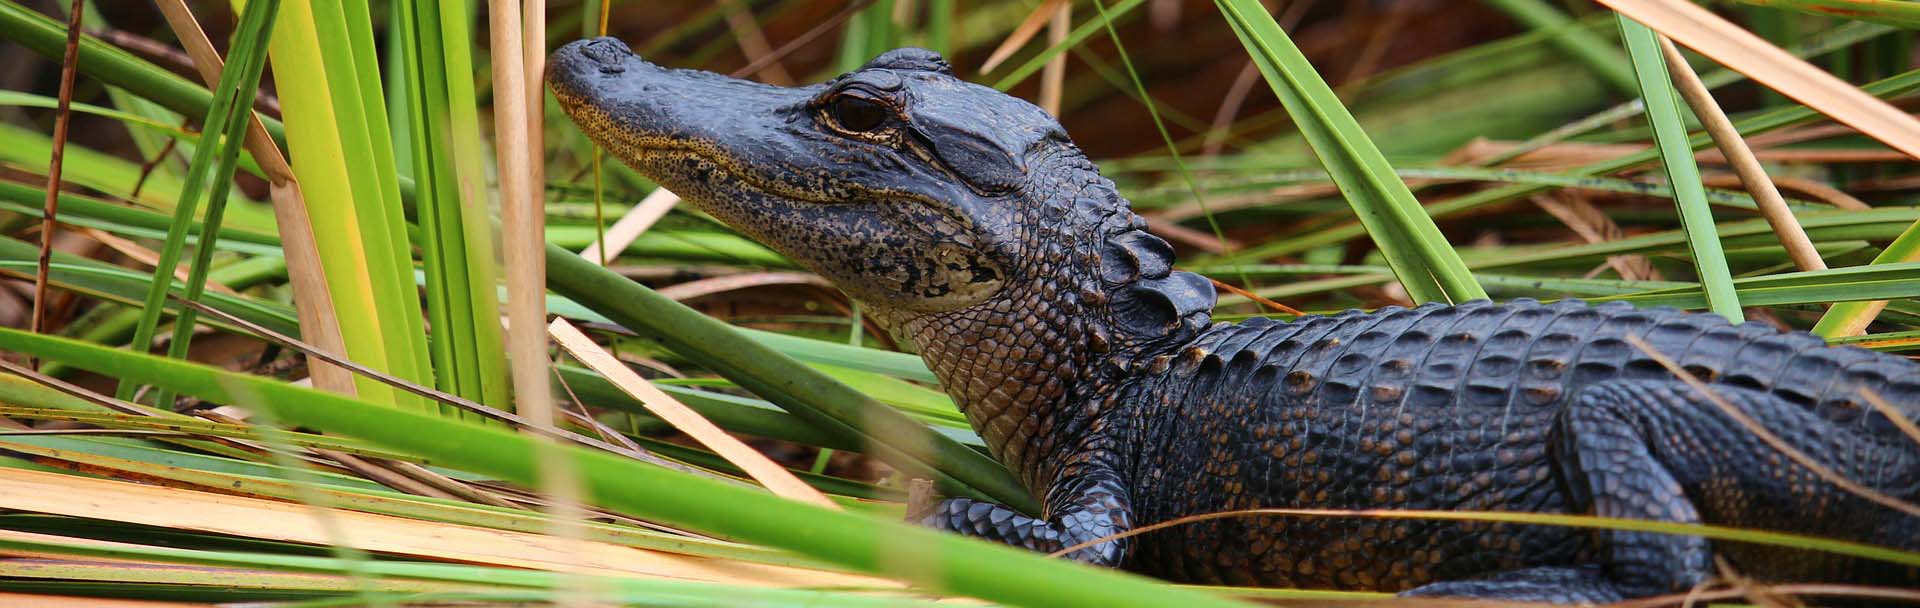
1431, 407
1453, 354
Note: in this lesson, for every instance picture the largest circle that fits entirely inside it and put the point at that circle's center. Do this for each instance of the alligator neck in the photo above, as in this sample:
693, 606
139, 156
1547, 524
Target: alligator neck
1094, 295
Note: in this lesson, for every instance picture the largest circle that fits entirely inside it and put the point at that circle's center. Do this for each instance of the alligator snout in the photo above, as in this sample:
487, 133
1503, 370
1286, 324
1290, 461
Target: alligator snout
605, 55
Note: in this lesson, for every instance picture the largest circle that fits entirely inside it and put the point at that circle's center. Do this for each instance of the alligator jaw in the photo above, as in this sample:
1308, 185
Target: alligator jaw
961, 217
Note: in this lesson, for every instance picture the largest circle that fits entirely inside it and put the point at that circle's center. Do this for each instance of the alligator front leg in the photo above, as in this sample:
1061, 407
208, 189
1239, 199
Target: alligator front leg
1082, 506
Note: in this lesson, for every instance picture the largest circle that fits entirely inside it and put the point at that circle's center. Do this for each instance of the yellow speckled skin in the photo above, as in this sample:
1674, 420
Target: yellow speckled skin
967, 222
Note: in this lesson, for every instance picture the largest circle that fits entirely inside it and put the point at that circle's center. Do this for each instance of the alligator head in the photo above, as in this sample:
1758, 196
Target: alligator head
960, 217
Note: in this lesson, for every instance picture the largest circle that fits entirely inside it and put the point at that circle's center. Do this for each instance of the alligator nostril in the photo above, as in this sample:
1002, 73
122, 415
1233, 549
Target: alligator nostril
607, 51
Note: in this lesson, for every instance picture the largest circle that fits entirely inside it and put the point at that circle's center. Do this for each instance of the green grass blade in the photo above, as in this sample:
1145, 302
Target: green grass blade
1412, 244
863, 543
450, 203
1875, 282
1582, 45
827, 404
248, 58
100, 279
1887, 88
342, 155
109, 64
939, 33
210, 174
1849, 317
1676, 154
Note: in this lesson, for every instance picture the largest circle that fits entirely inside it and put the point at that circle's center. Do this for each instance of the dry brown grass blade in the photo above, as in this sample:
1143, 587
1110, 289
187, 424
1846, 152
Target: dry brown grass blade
1793, 589
1236, 96
1593, 226
1197, 239
1053, 76
517, 33
1760, 432
423, 391
1380, 37
30, 600
683, 418
1270, 196
632, 225
180, 509
1892, 414
1727, 44
93, 569
147, 256
384, 476
1257, 298
1809, 189
820, 29
1021, 34
733, 282
1216, 139
752, 41
1772, 206
1567, 155
460, 490
69, 70
313, 301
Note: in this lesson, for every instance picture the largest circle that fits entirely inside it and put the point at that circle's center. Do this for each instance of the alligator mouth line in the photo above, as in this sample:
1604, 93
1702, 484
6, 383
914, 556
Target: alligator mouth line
724, 172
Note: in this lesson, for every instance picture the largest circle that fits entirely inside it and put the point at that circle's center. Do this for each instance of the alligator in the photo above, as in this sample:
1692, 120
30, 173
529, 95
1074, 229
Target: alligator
967, 223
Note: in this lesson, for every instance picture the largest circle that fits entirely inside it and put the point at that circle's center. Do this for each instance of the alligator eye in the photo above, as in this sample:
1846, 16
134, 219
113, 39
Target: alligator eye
857, 114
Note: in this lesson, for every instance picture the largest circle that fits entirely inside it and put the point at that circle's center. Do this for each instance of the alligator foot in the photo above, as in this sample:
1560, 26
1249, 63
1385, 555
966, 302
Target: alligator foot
1560, 585
1089, 507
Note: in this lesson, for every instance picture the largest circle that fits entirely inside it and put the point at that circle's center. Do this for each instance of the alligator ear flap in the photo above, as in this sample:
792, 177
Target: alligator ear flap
910, 58
981, 162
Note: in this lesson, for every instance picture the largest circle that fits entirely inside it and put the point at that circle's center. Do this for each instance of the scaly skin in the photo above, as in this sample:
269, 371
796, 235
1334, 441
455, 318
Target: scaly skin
969, 225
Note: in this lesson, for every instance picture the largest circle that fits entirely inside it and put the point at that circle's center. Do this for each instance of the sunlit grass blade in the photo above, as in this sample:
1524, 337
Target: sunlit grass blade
1837, 38
1670, 137
1426, 264
1874, 282
1852, 318
862, 543
342, 153
509, 585
1725, 43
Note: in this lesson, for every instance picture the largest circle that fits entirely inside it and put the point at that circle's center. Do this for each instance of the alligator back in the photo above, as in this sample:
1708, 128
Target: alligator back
1438, 407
